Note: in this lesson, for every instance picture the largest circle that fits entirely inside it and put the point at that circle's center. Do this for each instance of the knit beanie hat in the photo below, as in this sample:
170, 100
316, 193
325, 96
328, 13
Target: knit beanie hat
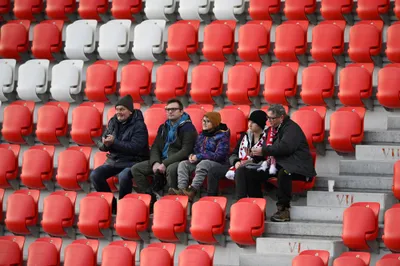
259, 117
127, 102
215, 118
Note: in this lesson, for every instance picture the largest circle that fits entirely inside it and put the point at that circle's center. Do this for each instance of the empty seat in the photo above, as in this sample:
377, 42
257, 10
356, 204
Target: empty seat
47, 39
373, 10
87, 123
22, 212
171, 80
18, 122
254, 41
132, 220
389, 260
33, 80
156, 254
236, 120
244, 83
101, 81
7, 79
80, 39
93, 9
136, 80
44, 251
301, 10
264, 9
169, 220
195, 10
396, 180
66, 81
311, 258
11, 250
183, 40
337, 10
388, 93
360, 225
200, 255
27, 9
353, 259
228, 9
161, 9
9, 165
81, 252
247, 220
119, 253
343, 139
60, 9
52, 123
393, 43
391, 233
14, 39
122, 9
114, 40
153, 118
291, 41
148, 42
197, 112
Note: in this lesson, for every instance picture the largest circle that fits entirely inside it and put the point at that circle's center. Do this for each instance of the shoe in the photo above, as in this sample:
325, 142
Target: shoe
190, 192
114, 206
282, 215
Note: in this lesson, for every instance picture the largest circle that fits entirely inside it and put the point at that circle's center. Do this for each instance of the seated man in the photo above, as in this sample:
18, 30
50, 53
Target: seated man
126, 141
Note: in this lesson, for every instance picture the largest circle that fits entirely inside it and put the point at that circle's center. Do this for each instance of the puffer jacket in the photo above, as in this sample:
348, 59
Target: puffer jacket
213, 146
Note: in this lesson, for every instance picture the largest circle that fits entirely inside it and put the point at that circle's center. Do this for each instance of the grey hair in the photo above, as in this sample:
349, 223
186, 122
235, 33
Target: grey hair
277, 109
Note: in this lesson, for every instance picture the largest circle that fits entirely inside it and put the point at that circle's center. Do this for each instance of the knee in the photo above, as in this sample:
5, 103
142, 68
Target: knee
202, 164
125, 176
95, 176
171, 171
135, 170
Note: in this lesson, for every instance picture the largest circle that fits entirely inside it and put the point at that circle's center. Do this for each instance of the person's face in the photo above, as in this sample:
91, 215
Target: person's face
273, 119
206, 123
122, 113
254, 127
174, 113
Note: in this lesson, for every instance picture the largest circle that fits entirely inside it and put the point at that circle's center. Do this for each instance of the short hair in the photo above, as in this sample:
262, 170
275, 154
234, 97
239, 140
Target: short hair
175, 100
277, 109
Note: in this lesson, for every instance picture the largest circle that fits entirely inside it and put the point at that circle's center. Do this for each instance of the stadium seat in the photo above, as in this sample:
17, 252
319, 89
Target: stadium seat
343, 139
391, 232
396, 179
148, 42
265, 10
280, 84
236, 120
156, 254
98, 160
9, 154
161, 9
393, 43
356, 234
247, 220
59, 213
28, 9
337, 10
52, 123
219, 41
195, 10
93, 9
301, 10
66, 81
73, 168
207, 83
7, 79
365, 42
101, 81
2, 191
328, 42
254, 41
22, 212
114, 40
373, 10
60, 9
33, 80
14, 39
183, 41
127, 9
81, 252
153, 118
356, 92
80, 39
291, 41
353, 259
389, 260
388, 93
169, 220
45, 251
47, 40
244, 83
11, 250
37, 167
5, 6
197, 112
200, 255
119, 253
208, 220
311, 258
87, 122
18, 122
318, 84
171, 80
229, 9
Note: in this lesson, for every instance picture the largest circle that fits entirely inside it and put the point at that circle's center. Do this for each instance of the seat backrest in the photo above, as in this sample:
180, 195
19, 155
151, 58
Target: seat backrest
33, 79
7, 77
44, 251
114, 39
148, 39
66, 80
80, 39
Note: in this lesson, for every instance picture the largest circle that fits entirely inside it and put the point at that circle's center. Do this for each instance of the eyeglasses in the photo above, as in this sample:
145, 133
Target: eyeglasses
272, 118
206, 121
171, 109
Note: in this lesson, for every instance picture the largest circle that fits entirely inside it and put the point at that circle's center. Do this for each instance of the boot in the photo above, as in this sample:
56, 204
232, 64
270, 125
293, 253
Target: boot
282, 215
190, 192
114, 206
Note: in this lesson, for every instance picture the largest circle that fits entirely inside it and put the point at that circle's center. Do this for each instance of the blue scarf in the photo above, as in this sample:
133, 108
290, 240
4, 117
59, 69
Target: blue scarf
171, 136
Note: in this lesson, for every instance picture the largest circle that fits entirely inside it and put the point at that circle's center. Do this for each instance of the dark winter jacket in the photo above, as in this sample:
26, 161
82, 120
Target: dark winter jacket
213, 146
291, 150
131, 141
235, 154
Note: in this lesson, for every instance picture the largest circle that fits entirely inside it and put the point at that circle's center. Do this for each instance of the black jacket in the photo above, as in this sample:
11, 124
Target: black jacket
291, 150
131, 143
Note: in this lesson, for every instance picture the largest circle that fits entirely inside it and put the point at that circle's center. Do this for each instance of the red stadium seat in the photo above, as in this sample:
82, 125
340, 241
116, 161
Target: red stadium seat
95, 215
200, 255
343, 139
219, 41
318, 84
396, 180
356, 92
81, 252
119, 253
14, 39
47, 39
73, 168
301, 10
264, 9
27, 9
153, 118
5, 6
337, 10
393, 43
1, 203
391, 232
45, 251
196, 113
207, 83
388, 93
306, 258
87, 123
236, 121
52, 124
254, 41
157, 254
9, 166
98, 160
11, 250
280, 84
183, 40
101, 80
22, 212
291, 41
60, 9
353, 259
93, 9
365, 42
389, 260
208, 220
126, 9
244, 83
247, 220
328, 42
169, 220
59, 213
136, 80
360, 225
171, 80
373, 10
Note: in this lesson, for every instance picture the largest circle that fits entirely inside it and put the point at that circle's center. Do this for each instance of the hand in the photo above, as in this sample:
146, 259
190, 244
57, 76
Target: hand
155, 167
109, 140
257, 151
161, 168
245, 162
193, 158
237, 165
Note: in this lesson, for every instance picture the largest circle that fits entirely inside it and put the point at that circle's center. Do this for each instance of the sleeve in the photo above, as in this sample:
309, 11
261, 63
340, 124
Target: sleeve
108, 131
222, 150
235, 154
155, 151
138, 141
286, 146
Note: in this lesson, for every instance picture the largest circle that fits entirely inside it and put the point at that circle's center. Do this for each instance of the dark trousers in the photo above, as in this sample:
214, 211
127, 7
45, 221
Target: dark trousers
284, 193
249, 182
215, 174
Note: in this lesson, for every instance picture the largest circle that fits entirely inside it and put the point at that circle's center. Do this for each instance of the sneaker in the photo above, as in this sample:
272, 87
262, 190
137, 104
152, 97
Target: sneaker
282, 215
190, 192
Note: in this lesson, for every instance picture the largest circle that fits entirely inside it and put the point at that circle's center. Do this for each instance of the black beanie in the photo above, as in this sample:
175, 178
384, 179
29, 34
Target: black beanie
259, 117
127, 102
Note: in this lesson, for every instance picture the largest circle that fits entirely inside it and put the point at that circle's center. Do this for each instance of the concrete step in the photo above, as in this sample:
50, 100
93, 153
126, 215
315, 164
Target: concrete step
393, 122
377, 152
265, 260
355, 183
366, 167
381, 136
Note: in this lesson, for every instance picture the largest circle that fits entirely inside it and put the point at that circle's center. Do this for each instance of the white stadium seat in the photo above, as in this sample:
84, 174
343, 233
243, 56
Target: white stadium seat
228, 9
80, 39
160, 9
33, 79
7, 78
66, 80
148, 42
194, 10
114, 39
